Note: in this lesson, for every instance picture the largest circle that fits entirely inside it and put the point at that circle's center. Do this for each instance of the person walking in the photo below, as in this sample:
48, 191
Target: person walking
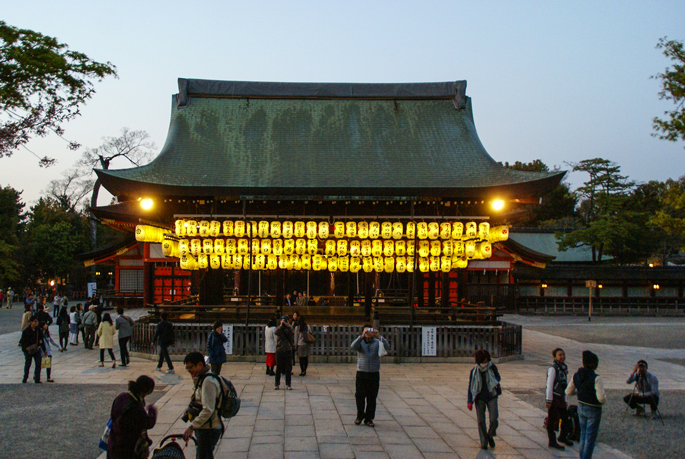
284, 353
164, 337
368, 378
90, 325
46, 351
555, 400
215, 347
591, 397
270, 346
31, 343
484, 388
131, 420
123, 325
105, 334
301, 332
63, 328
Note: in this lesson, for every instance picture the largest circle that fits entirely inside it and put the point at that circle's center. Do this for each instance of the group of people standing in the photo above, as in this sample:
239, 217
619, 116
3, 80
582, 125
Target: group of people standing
286, 339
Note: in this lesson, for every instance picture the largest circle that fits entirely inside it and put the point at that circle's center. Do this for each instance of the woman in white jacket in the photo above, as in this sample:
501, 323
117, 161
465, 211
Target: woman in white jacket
270, 346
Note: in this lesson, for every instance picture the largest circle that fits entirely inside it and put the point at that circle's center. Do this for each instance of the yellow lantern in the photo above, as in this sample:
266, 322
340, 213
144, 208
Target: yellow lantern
330, 248
204, 229
389, 264
499, 233
306, 262
277, 247
367, 264
256, 247
316, 262
227, 229
227, 261
219, 246
362, 230
445, 264
422, 230
423, 264
484, 231
287, 230
195, 247
251, 229
187, 262
283, 262
342, 247
312, 246
259, 262
215, 261
247, 261
243, 246
400, 248
445, 230
435, 248
263, 229
275, 230
202, 261
271, 262
300, 229
343, 264
459, 250
214, 228
239, 228
366, 248
351, 230
300, 246
333, 264
457, 230
410, 265
355, 264
339, 229
424, 249
388, 248
470, 249
374, 230
386, 230
378, 264
184, 247
411, 230
459, 263
401, 264
377, 248
266, 246
208, 246
191, 228
170, 248
448, 248
231, 247
312, 230
146, 233
323, 230
410, 248
433, 230
471, 230
180, 228
397, 230
485, 249
355, 248
289, 247
435, 264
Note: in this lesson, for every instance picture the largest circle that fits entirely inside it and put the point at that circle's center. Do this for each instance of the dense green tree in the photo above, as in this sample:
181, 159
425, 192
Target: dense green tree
668, 218
672, 88
11, 223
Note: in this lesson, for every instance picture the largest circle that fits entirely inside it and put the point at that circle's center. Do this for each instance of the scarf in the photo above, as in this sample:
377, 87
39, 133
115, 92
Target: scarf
489, 379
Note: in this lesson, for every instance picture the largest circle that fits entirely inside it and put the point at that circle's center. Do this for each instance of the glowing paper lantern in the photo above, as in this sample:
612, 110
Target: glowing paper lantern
256, 247
485, 249
184, 247
271, 262
277, 247
263, 229
300, 246
214, 228
266, 246
288, 247
435, 264
435, 248
316, 262
401, 264
312, 230
471, 230
377, 248
410, 265
259, 262
188, 262
374, 230
484, 231
239, 228
411, 230
342, 247
195, 247
338, 231
146, 233
388, 248
283, 262
460, 263
457, 230
386, 230
343, 264
243, 246
445, 230
323, 230
410, 248
355, 264
445, 264
231, 247
215, 261
362, 230
300, 229
448, 248
378, 264
367, 264
422, 230
227, 229
170, 248
389, 264
499, 233
306, 262
433, 230
312, 246
191, 228
202, 261
204, 229
397, 230
423, 264
424, 249
251, 229
366, 248
275, 230
219, 246
355, 248
247, 261
459, 250
333, 264
470, 249
287, 230
208, 246
227, 261
180, 227
329, 249
351, 230
400, 248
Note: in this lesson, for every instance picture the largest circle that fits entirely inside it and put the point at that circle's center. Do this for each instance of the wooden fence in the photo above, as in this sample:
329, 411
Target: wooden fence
600, 306
333, 341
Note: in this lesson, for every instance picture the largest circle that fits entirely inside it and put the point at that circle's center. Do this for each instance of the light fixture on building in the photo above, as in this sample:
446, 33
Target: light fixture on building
146, 203
656, 286
498, 204
544, 285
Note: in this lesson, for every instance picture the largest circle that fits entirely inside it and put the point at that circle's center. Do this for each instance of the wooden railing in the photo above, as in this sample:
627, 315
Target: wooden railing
601, 306
501, 340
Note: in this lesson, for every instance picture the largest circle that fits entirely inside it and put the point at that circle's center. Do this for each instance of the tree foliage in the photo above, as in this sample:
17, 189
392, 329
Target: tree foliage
673, 89
42, 85
11, 224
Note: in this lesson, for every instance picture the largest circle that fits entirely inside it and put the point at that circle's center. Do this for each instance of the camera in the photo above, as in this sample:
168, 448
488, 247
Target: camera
193, 410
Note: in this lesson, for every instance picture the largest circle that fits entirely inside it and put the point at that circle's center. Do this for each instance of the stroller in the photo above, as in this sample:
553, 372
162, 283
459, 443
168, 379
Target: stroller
171, 450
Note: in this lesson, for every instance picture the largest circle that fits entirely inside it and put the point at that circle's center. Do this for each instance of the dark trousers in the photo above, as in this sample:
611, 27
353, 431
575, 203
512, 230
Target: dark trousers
89, 337
206, 442
304, 363
558, 411
63, 339
493, 410
27, 365
633, 400
284, 365
216, 368
123, 350
111, 354
366, 391
164, 355
55, 310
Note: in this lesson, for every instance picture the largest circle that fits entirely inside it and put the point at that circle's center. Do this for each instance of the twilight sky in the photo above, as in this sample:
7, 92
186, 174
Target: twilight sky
556, 81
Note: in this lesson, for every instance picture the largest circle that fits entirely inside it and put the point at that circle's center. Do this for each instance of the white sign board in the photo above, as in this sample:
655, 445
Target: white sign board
428, 345
228, 345
92, 287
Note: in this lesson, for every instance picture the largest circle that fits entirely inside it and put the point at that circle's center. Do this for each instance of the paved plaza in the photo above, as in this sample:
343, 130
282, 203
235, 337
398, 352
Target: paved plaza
421, 407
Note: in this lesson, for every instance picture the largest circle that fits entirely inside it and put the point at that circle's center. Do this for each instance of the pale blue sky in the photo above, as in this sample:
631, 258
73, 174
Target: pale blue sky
558, 81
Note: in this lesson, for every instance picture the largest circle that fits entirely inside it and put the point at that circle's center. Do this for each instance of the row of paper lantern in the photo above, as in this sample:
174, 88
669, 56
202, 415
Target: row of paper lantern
321, 263
351, 229
341, 247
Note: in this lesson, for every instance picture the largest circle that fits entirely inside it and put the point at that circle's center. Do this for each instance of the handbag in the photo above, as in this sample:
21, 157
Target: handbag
309, 338
105, 436
381, 349
46, 362
32, 349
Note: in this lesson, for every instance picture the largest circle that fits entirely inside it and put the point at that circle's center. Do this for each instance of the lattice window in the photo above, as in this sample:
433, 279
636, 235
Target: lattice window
131, 280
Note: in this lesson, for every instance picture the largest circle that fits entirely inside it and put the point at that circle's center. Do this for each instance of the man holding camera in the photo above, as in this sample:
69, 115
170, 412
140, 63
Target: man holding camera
646, 391
284, 352
202, 414
368, 373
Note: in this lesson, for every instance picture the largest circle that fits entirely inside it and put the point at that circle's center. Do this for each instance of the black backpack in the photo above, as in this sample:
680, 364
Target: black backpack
229, 403
574, 422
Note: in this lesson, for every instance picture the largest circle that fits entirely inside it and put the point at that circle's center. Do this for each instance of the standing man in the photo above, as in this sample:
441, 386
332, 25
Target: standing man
10, 297
555, 398
56, 303
205, 422
591, 397
164, 337
646, 391
287, 300
284, 352
123, 324
368, 373
31, 343
42, 315
90, 324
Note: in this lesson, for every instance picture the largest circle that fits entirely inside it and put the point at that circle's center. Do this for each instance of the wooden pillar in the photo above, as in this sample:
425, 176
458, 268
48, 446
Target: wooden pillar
148, 287
350, 289
445, 295
462, 286
431, 289
419, 289
212, 287
280, 282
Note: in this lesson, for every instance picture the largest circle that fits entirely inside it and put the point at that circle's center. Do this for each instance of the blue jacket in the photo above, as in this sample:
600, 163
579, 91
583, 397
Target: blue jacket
215, 347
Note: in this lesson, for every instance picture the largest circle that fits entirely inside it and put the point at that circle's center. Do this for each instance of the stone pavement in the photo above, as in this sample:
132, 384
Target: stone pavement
421, 407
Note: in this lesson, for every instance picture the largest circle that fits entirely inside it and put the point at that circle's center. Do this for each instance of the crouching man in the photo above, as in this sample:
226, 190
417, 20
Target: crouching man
646, 391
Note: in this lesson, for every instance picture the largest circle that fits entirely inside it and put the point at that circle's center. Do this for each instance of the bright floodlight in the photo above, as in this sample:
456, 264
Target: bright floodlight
498, 204
146, 204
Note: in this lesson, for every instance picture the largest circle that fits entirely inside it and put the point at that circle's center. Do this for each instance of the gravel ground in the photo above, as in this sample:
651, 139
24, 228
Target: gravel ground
64, 420
642, 438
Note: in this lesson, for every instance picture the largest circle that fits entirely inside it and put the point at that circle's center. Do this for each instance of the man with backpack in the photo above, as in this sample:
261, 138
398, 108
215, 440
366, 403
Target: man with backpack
203, 410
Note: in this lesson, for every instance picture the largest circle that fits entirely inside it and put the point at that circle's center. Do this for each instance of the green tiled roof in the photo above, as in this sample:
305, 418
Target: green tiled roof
229, 145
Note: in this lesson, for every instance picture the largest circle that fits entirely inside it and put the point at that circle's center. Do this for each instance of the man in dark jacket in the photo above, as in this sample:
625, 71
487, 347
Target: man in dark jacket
284, 352
44, 316
164, 337
31, 343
